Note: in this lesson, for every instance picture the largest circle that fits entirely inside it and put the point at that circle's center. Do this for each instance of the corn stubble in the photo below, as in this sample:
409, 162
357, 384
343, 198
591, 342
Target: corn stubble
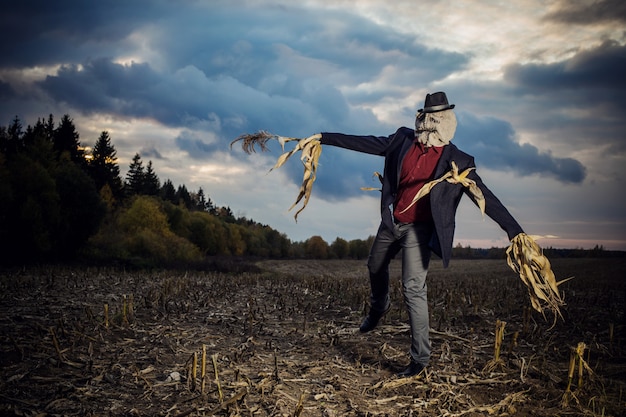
576, 359
310, 147
496, 362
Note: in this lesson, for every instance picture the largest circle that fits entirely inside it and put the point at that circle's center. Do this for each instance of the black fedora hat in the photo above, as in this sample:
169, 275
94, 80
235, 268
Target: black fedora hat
436, 102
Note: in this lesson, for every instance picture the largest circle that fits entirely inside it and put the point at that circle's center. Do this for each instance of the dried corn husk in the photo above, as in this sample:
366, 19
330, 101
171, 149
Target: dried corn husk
380, 178
526, 258
310, 147
454, 177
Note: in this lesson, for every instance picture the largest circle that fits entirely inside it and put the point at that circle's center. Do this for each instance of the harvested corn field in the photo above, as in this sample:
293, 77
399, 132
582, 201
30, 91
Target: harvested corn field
282, 340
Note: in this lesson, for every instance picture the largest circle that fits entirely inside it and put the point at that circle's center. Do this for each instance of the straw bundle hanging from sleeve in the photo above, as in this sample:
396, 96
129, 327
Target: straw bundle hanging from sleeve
310, 147
526, 258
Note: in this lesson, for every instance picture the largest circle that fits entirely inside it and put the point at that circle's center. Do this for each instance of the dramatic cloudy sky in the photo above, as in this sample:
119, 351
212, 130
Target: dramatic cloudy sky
539, 89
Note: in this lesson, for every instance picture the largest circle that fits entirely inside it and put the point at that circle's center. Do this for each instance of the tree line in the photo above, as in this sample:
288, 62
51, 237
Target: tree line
63, 201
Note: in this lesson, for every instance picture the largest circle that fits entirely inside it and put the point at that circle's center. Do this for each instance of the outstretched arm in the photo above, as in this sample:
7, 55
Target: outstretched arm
375, 145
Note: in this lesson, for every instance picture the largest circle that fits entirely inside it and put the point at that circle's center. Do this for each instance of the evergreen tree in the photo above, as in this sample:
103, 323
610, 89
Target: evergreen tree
4, 140
134, 177
49, 128
200, 200
103, 166
226, 214
151, 183
183, 197
81, 209
168, 192
32, 215
66, 140
210, 206
11, 141
31, 134
15, 130
43, 130
38, 146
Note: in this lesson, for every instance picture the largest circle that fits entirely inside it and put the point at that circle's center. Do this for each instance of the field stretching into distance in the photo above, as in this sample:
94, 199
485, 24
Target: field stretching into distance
280, 338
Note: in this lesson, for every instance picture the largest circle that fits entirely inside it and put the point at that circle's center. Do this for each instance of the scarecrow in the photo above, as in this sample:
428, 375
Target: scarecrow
424, 178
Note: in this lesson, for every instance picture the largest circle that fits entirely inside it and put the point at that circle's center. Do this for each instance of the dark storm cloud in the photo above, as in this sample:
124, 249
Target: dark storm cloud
150, 152
577, 94
137, 90
600, 68
252, 43
589, 13
65, 31
103, 86
279, 75
492, 142
5, 90
194, 146
225, 67
100, 85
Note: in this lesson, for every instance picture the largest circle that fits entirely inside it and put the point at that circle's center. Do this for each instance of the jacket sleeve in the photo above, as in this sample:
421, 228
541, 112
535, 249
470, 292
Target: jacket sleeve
375, 145
448, 196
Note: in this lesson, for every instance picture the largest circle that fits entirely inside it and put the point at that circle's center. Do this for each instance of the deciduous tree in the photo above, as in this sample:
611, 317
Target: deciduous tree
340, 248
316, 248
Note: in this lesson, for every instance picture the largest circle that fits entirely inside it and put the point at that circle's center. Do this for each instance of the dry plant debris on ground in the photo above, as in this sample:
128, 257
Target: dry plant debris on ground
283, 341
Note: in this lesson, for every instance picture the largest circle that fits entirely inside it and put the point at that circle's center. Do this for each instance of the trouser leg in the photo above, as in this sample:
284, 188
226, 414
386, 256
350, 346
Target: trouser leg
415, 260
384, 248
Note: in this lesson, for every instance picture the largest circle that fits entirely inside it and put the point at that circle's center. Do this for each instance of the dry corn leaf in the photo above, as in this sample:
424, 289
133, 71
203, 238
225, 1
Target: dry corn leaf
454, 177
526, 258
311, 149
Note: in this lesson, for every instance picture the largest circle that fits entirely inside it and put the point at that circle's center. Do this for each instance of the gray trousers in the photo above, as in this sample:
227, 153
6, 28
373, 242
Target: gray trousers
412, 239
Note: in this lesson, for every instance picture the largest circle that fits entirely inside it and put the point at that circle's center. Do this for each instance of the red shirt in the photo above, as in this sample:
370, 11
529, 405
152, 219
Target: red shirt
418, 168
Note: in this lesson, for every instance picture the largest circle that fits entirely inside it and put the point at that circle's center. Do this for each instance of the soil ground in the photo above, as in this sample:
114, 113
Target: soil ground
280, 338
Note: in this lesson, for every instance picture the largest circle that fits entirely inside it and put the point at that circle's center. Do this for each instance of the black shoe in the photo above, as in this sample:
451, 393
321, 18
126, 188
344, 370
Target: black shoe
371, 321
413, 369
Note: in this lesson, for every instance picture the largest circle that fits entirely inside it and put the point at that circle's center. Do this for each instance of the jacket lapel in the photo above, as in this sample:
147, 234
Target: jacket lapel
443, 165
403, 151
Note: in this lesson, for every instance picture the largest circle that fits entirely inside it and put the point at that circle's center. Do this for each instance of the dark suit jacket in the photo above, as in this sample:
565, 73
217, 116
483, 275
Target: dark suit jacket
444, 197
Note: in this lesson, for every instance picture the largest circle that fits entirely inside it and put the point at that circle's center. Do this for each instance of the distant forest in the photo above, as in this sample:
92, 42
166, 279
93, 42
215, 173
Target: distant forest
63, 201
